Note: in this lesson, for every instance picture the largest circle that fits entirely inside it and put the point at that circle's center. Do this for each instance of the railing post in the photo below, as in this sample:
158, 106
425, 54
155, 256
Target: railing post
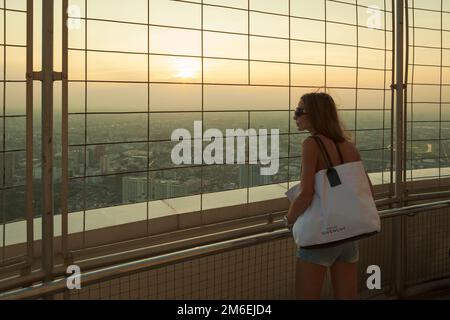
398, 250
47, 138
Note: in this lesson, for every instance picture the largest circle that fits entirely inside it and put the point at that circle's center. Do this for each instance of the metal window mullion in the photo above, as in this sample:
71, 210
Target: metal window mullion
47, 139
29, 133
148, 118
440, 93
65, 134
85, 121
4, 142
398, 243
289, 99
357, 75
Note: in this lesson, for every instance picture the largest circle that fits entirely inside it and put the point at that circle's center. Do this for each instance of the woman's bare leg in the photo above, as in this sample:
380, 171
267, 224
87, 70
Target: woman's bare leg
344, 277
309, 280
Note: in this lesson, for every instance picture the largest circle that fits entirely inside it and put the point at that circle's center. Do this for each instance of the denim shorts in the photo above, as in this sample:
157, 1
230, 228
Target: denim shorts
346, 252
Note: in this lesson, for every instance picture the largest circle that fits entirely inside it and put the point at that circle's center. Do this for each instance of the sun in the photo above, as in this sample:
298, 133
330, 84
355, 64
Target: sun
186, 69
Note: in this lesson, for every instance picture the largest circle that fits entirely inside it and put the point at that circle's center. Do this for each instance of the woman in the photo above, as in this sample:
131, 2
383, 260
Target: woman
316, 113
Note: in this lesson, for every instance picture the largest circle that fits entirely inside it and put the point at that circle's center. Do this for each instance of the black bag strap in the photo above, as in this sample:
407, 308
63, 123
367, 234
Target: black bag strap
323, 152
339, 151
325, 155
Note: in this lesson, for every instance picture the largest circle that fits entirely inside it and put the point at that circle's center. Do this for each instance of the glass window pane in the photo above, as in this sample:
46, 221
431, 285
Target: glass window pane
115, 191
175, 69
174, 97
15, 208
341, 77
16, 27
15, 128
372, 38
16, 63
76, 94
76, 63
342, 34
225, 71
116, 128
162, 125
174, 183
369, 139
15, 99
370, 99
269, 73
340, 12
305, 75
16, 5
427, 75
369, 119
279, 6
222, 45
104, 66
270, 120
162, 40
222, 19
425, 93
371, 79
120, 36
243, 4
308, 9
116, 158
339, 55
344, 98
245, 98
369, 58
113, 97
76, 129
269, 25
303, 29
162, 13
269, 49
134, 11
307, 52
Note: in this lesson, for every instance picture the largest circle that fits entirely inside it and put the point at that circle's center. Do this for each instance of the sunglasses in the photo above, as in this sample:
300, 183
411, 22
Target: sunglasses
299, 112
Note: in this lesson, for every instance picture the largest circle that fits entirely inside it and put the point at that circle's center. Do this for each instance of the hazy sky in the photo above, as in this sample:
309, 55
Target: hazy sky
230, 76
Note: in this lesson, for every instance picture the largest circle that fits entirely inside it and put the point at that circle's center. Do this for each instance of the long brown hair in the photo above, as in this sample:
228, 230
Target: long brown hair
323, 116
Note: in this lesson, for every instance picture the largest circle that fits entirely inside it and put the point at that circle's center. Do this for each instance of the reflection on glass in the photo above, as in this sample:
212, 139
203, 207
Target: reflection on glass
175, 69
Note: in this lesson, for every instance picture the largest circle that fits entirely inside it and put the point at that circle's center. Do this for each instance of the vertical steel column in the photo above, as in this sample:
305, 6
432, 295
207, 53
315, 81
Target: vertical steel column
65, 132
398, 251
47, 138
29, 133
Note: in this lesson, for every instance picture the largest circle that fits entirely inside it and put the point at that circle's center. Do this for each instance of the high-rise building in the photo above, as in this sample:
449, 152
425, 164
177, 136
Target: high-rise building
104, 164
169, 188
134, 189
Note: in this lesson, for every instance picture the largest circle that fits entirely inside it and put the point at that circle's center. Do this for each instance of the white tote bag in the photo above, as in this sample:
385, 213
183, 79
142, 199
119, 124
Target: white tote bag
340, 213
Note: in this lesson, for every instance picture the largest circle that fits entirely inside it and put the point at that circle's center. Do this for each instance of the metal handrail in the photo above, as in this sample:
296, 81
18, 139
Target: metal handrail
92, 277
